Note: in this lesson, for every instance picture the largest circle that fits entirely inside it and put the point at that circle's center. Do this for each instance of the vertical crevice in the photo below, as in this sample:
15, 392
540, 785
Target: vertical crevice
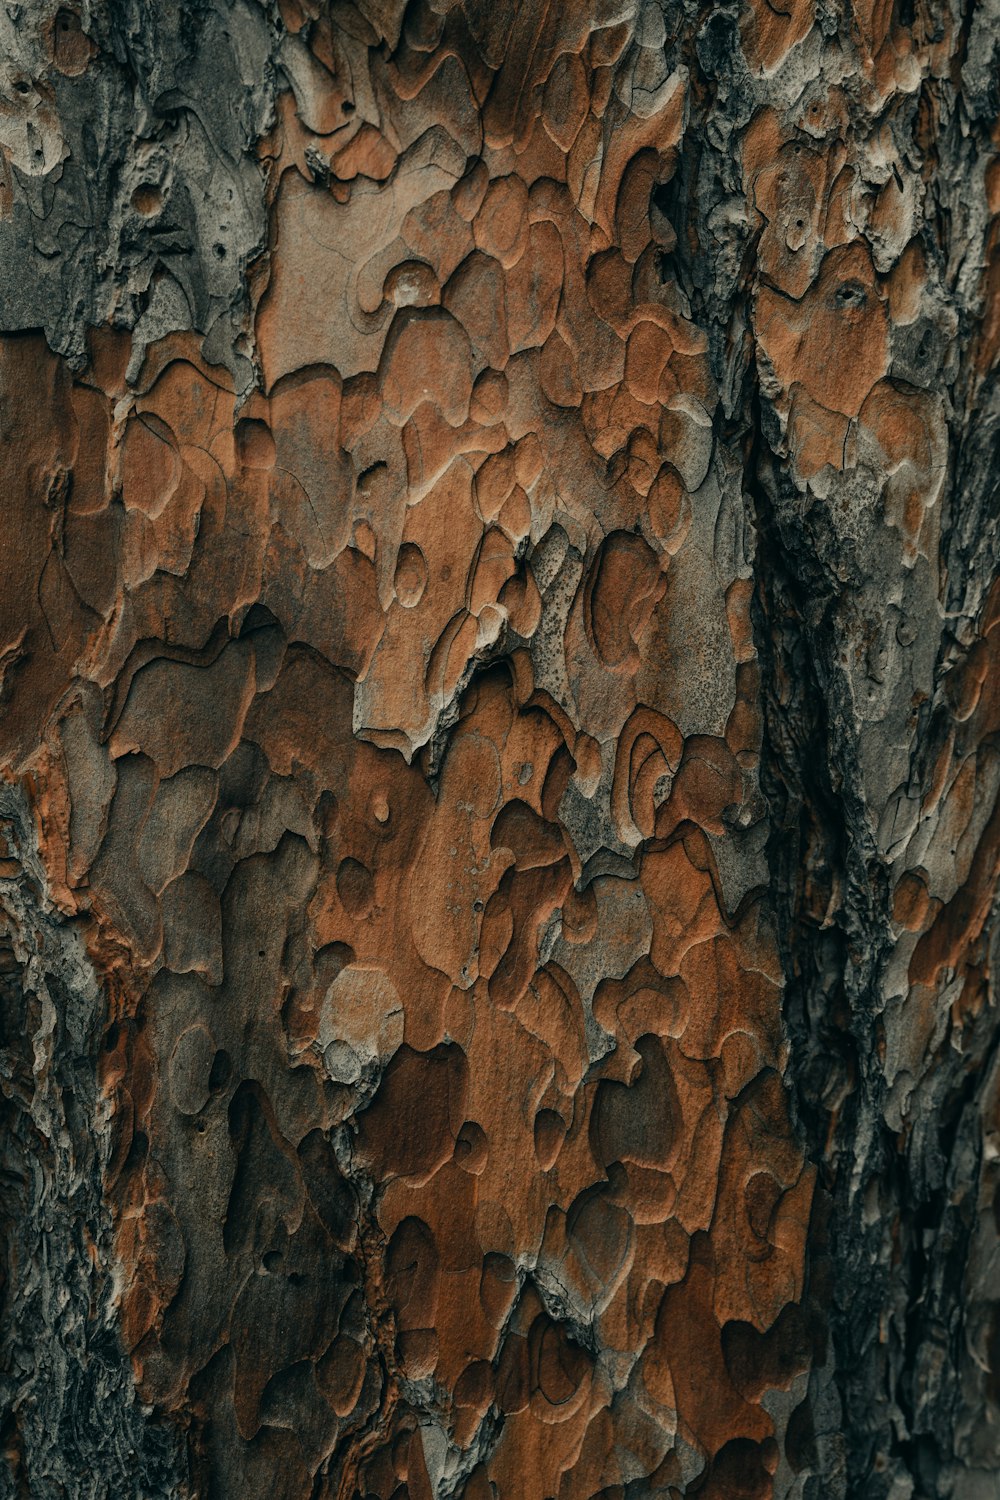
72, 1423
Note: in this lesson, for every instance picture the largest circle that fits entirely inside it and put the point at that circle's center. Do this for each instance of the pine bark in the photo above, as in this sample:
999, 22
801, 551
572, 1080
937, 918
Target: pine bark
499, 620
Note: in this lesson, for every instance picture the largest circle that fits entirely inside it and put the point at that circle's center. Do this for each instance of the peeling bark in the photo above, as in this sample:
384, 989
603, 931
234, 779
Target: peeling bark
499, 743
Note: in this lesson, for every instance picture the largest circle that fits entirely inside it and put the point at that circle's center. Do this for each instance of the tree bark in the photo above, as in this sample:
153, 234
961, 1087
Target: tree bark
499, 610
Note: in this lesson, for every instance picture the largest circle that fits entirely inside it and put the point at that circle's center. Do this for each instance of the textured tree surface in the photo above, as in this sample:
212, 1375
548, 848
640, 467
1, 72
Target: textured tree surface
499, 727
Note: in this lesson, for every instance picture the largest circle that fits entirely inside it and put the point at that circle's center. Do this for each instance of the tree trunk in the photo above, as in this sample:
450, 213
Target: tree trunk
499, 734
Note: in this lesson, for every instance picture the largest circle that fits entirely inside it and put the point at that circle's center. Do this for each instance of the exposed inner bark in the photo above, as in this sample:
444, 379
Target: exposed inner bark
499, 743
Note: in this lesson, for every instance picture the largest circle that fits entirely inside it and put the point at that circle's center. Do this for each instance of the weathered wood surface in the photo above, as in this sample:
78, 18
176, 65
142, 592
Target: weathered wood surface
498, 628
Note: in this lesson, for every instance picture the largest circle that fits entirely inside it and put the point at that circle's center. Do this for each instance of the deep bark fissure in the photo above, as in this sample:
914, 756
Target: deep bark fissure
501, 670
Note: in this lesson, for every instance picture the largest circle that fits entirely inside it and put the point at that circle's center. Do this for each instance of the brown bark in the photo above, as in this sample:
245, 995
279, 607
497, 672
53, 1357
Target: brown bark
499, 747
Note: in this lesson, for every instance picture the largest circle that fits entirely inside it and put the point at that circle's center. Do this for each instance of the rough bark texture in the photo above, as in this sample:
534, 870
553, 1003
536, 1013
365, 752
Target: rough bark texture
499, 619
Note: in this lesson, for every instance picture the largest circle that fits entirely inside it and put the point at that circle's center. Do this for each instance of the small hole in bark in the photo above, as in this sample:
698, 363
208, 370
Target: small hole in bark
147, 199
220, 251
22, 87
850, 294
348, 106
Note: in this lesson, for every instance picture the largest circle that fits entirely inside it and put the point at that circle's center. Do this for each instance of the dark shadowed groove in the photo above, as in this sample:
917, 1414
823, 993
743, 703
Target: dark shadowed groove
72, 1425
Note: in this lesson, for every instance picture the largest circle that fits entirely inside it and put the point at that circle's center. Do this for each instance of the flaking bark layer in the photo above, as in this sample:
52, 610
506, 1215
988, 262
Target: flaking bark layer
499, 614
